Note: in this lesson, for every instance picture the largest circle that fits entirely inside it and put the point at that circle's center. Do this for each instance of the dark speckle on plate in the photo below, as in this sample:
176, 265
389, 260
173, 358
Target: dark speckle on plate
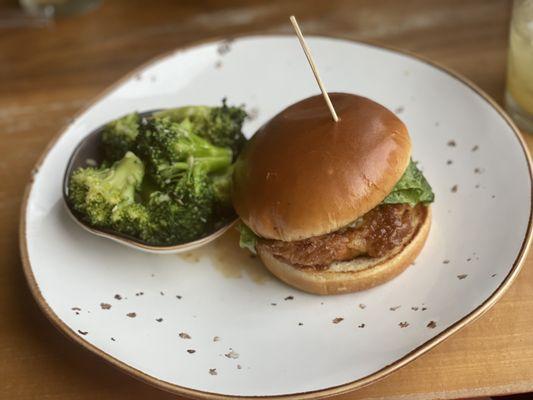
462, 276
224, 47
131, 314
451, 143
139, 293
403, 324
362, 306
213, 371
118, 297
191, 351
449, 162
300, 323
394, 308
159, 319
289, 298
113, 339
399, 110
432, 325
361, 326
446, 261
178, 297
82, 332
454, 188
184, 335
232, 354
337, 320
105, 306
216, 339
475, 148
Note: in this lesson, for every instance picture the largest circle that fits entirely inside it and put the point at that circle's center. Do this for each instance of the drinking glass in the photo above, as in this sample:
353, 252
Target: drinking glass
519, 91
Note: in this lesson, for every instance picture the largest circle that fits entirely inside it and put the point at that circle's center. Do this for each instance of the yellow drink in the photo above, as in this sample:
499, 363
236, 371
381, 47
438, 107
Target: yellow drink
519, 94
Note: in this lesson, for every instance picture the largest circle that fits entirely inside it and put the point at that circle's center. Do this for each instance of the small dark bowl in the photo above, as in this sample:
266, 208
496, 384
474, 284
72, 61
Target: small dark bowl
88, 152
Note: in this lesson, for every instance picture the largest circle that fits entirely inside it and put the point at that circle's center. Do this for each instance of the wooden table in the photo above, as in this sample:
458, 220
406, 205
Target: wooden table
49, 72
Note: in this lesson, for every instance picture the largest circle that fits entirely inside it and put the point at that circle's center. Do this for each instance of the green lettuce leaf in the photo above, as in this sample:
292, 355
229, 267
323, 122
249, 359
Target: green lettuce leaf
412, 188
248, 238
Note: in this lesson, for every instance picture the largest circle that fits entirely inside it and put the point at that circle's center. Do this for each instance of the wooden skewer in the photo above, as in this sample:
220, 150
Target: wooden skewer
307, 52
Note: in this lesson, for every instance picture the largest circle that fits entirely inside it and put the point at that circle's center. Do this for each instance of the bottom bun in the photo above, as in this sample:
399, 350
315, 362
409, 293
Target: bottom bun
351, 276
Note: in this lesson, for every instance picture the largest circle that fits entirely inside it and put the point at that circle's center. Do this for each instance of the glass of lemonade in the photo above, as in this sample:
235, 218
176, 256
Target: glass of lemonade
519, 91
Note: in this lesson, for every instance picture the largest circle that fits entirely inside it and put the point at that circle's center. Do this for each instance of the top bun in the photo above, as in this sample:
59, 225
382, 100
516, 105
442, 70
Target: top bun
303, 175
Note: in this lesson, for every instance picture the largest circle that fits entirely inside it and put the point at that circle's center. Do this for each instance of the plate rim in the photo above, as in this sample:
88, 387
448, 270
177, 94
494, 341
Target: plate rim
319, 393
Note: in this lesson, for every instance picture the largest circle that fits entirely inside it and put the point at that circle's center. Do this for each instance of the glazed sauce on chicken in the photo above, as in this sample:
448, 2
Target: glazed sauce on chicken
376, 234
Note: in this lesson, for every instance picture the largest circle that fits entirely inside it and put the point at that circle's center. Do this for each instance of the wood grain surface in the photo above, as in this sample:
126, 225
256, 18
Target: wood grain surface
49, 71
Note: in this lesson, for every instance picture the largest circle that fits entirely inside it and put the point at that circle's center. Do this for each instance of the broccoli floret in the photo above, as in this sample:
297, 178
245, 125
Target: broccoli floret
132, 219
192, 113
118, 136
175, 221
98, 193
222, 187
191, 209
171, 150
221, 126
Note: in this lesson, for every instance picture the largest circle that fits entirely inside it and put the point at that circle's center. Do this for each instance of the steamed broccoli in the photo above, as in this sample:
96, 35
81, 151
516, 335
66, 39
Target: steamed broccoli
133, 219
192, 176
99, 193
171, 150
185, 194
222, 187
118, 136
175, 221
222, 126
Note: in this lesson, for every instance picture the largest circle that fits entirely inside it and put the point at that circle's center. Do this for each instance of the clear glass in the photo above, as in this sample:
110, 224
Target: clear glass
519, 91
53, 8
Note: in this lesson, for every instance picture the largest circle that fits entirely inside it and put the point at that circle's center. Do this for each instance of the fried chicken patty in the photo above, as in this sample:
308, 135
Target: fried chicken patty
375, 234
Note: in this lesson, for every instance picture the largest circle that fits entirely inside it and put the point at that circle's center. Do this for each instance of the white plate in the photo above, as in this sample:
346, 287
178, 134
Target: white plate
273, 339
